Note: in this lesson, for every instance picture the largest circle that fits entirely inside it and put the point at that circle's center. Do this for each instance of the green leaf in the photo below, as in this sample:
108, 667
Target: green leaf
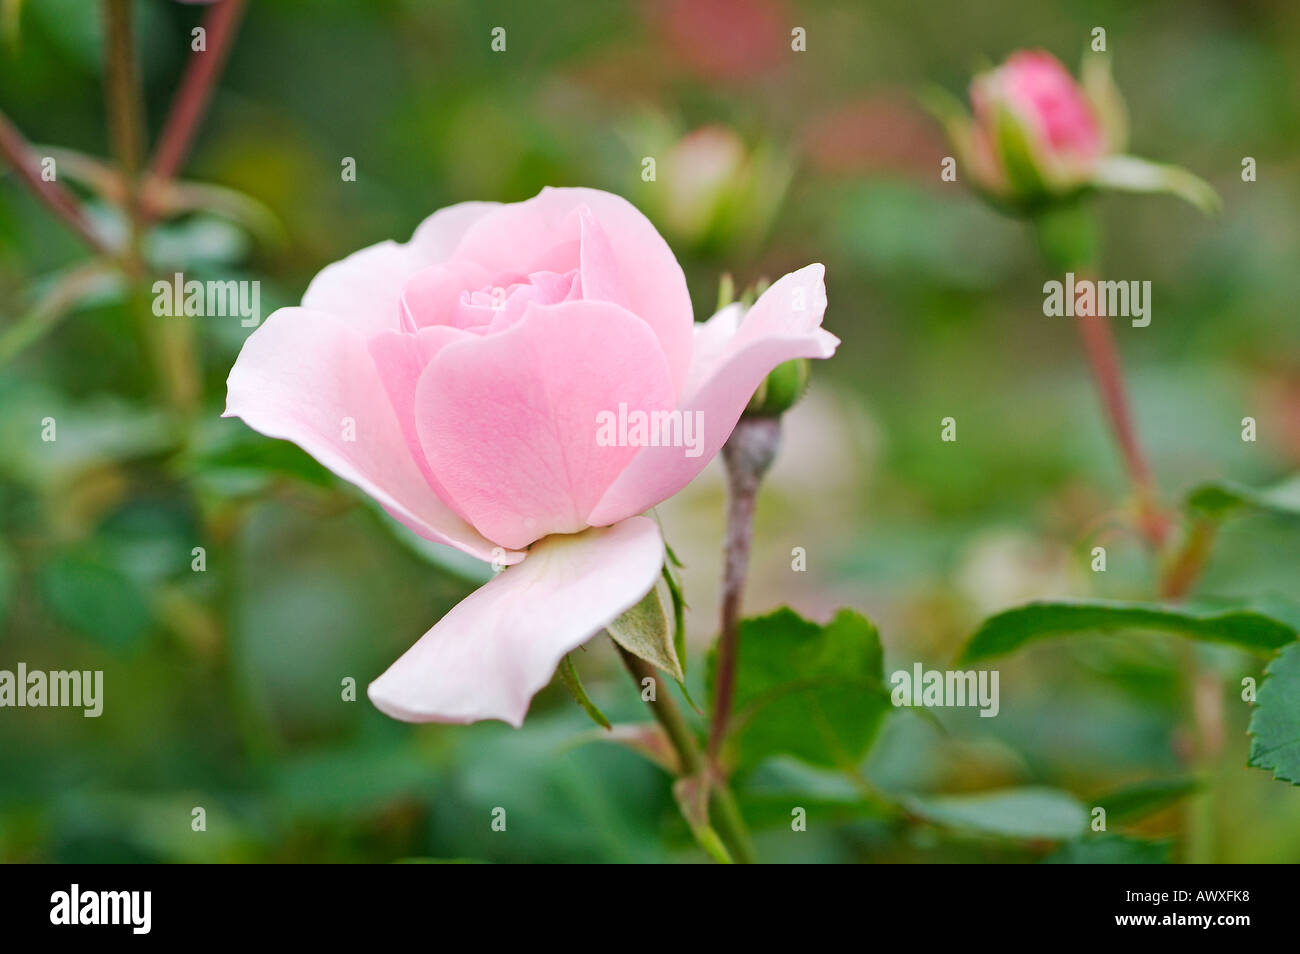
1144, 798
1218, 498
679, 615
1110, 850
1015, 146
811, 691
776, 811
951, 114
1105, 98
569, 676
1012, 813
643, 631
96, 600
7, 574
1275, 723
1131, 174
1241, 627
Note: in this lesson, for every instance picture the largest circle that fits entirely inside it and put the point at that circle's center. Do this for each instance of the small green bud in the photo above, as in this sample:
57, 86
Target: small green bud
781, 389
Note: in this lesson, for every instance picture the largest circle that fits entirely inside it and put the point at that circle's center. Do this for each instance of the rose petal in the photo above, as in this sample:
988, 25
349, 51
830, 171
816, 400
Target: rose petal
299, 376
508, 422
432, 296
784, 323
487, 657
366, 287
400, 358
525, 235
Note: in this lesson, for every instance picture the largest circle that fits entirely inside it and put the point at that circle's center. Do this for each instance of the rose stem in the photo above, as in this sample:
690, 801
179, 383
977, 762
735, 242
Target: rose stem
53, 195
169, 345
1204, 690
201, 72
747, 454
726, 819
1103, 358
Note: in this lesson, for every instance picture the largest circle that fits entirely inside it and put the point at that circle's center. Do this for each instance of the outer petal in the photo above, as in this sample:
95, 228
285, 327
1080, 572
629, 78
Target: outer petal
784, 323
489, 655
510, 422
506, 240
365, 288
298, 376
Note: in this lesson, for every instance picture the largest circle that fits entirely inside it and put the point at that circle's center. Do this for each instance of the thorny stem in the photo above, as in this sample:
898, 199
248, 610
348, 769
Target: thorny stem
52, 194
1204, 691
1180, 573
725, 816
1185, 566
122, 95
170, 346
219, 23
1103, 358
747, 454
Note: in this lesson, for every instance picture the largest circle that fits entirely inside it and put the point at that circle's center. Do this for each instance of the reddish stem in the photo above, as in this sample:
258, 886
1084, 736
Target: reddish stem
219, 23
52, 195
747, 454
1103, 358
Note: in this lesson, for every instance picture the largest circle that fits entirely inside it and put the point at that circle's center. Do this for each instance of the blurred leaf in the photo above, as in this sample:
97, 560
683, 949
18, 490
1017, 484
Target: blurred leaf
1013, 813
1245, 628
352, 780
815, 692
1275, 723
7, 573
1143, 798
569, 676
565, 802
772, 791
97, 600
90, 283
196, 240
11, 14
230, 459
1104, 96
771, 810
86, 434
648, 739
1131, 174
1218, 498
643, 631
173, 198
951, 113
447, 559
1015, 148
1110, 850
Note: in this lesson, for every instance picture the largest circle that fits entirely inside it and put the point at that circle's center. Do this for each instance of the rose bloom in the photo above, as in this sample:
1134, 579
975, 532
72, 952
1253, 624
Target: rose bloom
1047, 113
458, 379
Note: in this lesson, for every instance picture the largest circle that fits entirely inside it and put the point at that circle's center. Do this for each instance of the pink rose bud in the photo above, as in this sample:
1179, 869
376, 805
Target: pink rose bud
1035, 132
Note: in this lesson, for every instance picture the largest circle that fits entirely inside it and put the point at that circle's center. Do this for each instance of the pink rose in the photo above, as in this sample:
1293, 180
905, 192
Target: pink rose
1035, 129
483, 382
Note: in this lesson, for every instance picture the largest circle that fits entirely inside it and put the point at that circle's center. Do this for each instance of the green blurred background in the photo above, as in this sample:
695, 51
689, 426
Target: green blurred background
223, 687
